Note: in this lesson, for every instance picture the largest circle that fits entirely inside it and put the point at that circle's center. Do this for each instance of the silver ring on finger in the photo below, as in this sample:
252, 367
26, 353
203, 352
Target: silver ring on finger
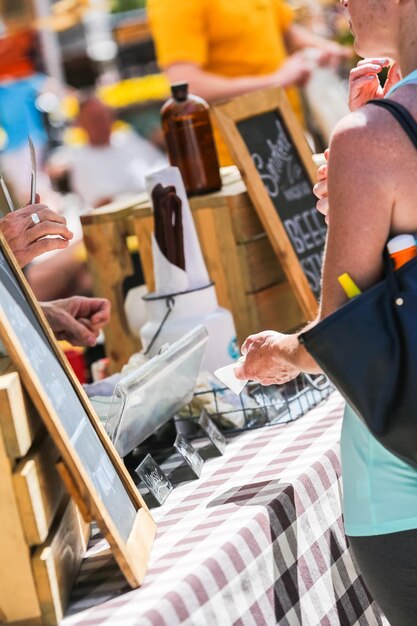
35, 218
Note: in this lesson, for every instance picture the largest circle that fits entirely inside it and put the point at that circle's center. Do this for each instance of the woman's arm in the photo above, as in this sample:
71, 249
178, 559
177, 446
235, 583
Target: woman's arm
359, 225
328, 52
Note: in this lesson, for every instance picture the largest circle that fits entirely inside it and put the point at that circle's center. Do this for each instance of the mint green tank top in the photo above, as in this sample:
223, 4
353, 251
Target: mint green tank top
379, 490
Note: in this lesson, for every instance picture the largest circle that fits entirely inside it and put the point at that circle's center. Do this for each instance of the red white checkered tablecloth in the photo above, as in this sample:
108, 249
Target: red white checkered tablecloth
257, 540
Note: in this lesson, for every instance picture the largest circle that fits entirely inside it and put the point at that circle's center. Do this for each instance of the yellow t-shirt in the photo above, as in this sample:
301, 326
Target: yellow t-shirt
226, 37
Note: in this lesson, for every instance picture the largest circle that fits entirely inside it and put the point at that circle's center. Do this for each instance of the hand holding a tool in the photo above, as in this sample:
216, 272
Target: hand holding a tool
33, 230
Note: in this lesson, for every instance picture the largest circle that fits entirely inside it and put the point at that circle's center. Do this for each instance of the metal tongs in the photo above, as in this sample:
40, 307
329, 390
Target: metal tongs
5, 189
32, 171
168, 224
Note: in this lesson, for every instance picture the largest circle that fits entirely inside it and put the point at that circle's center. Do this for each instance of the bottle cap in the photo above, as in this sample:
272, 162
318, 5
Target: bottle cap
401, 242
179, 91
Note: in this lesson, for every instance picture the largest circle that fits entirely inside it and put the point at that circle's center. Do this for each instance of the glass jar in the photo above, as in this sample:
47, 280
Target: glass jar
189, 137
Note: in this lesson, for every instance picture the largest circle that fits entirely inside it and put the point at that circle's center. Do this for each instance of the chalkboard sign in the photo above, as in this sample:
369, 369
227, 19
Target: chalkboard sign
268, 145
95, 471
289, 187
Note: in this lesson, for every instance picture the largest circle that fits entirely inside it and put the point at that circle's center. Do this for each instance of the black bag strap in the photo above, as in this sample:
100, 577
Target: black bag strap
390, 274
402, 116
409, 124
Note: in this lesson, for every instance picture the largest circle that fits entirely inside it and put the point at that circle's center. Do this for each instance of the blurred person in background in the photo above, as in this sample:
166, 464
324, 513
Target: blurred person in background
225, 48
20, 86
113, 163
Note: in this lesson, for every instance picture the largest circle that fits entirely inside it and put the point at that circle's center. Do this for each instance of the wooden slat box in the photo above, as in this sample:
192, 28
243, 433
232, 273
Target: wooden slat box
18, 420
18, 597
56, 562
39, 489
34, 509
241, 260
109, 261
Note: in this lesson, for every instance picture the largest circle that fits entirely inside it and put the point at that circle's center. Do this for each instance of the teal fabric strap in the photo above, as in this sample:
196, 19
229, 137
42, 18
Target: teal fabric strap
407, 80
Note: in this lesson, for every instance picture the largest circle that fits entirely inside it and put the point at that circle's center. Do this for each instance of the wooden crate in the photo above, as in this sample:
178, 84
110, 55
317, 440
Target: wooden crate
258, 264
56, 562
39, 490
240, 260
110, 263
34, 510
18, 420
18, 596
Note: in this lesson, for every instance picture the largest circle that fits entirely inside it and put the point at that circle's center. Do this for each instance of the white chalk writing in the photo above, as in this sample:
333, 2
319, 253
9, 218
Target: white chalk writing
280, 161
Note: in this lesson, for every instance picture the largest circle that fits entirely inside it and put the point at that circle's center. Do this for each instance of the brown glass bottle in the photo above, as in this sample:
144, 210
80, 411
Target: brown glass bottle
190, 142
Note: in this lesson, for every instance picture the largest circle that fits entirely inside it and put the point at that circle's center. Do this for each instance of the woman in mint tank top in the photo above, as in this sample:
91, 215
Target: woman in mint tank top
371, 184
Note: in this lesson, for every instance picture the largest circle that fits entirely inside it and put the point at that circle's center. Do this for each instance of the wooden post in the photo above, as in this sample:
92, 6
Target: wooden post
110, 264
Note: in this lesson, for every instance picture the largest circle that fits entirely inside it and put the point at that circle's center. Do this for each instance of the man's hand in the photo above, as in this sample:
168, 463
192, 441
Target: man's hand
296, 70
331, 54
263, 360
364, 83
78, 320
28, 240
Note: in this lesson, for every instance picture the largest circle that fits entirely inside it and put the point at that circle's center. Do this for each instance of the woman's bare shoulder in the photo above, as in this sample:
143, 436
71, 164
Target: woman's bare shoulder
366, 129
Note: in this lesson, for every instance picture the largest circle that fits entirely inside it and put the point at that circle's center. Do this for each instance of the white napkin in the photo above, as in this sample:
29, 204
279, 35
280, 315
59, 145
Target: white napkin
168, 277
194, 262
228, 377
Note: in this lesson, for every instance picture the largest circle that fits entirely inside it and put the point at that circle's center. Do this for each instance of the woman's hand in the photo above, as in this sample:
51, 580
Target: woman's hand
364, 83
263, 361
320, 189
27, 235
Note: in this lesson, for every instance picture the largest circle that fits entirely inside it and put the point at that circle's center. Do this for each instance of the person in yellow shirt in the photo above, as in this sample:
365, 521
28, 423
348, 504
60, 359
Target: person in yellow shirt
224, 48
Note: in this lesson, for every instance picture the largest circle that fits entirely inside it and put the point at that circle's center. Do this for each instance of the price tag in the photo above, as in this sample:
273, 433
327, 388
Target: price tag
154, 478
213, 433
189, 454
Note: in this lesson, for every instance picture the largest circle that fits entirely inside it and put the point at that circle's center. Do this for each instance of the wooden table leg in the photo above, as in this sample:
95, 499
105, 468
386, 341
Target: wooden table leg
110, 263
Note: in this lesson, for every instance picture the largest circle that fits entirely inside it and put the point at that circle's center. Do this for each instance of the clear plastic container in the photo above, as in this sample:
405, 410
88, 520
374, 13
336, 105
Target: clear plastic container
146, 399
189, 309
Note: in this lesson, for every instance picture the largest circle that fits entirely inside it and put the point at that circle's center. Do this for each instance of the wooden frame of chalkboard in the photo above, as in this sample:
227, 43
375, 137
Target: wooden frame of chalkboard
91, 468
265, 117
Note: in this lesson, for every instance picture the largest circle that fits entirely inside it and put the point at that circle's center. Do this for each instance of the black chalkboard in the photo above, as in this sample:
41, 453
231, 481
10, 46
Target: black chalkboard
289, 187
51, 376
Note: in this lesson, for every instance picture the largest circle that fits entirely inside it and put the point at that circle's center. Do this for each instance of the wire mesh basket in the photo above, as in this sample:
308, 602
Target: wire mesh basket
256, 406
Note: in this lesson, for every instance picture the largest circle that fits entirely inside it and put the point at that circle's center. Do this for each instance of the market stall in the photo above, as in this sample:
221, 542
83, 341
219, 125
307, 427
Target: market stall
257, 535
248, 279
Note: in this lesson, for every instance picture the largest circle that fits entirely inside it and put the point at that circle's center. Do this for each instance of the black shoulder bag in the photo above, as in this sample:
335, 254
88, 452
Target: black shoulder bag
368, 347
